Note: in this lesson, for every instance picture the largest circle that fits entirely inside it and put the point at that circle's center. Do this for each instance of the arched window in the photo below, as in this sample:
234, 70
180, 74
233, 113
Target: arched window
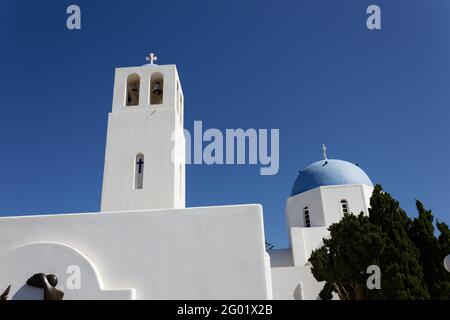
344, 207
133, 84
306, 217
156, 88
139, 172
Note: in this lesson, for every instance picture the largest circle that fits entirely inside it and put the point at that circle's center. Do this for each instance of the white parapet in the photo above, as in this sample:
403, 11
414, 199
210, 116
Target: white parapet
195, 253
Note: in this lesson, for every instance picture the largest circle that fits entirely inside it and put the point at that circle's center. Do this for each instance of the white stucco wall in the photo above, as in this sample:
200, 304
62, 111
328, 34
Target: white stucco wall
295, 283
196, 253
304, 241
367, 191
291, 276
324, 204
356, 196
54, 257
281, 258
296, 204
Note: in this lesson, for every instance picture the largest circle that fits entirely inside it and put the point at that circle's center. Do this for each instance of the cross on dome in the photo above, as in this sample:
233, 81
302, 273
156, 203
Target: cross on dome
324, 152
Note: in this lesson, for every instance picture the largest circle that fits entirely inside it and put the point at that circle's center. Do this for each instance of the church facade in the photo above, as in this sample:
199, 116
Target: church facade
145, 244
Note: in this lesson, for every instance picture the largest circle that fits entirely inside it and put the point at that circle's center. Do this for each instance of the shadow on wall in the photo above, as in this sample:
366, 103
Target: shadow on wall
298, 292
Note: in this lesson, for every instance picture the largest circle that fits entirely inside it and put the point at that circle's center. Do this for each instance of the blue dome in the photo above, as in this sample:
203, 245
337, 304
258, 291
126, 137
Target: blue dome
329, 173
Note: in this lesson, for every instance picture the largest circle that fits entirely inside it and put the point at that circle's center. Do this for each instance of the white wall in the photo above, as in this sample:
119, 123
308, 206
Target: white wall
281, 258
63, 260
324, 204
296, 204
304, 241
295, 283
196, 253
367, 195
356, 196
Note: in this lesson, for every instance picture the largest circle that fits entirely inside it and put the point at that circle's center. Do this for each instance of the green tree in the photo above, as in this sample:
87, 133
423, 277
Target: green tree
432, 252
408, 253
400, 265
342, 263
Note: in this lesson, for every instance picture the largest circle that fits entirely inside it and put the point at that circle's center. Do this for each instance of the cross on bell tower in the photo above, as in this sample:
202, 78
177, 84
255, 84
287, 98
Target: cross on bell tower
151, 58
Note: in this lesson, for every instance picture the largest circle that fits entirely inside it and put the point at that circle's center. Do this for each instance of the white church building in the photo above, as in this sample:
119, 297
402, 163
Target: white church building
145, 244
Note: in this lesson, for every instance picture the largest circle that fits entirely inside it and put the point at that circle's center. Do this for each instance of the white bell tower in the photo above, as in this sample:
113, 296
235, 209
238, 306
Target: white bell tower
144, 159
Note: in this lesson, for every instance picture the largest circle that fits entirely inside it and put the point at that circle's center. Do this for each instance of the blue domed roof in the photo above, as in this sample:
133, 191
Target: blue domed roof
329, 172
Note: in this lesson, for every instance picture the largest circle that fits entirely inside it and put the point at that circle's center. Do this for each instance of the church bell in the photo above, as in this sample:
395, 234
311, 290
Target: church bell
157, 89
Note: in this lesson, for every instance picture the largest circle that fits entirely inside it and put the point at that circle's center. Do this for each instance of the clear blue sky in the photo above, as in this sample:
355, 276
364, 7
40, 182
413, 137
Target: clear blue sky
309, 68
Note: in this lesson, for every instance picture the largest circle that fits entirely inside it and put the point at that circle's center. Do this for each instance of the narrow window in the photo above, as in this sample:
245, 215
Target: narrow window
306, 216
133, 84
156, 88
344, 207
139, 172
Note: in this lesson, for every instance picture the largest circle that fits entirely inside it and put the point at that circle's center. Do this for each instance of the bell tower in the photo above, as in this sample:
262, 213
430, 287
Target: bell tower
144, 158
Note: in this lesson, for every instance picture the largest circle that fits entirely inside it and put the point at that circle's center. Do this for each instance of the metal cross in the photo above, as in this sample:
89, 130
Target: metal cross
324, 151
151, 58
140, 163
